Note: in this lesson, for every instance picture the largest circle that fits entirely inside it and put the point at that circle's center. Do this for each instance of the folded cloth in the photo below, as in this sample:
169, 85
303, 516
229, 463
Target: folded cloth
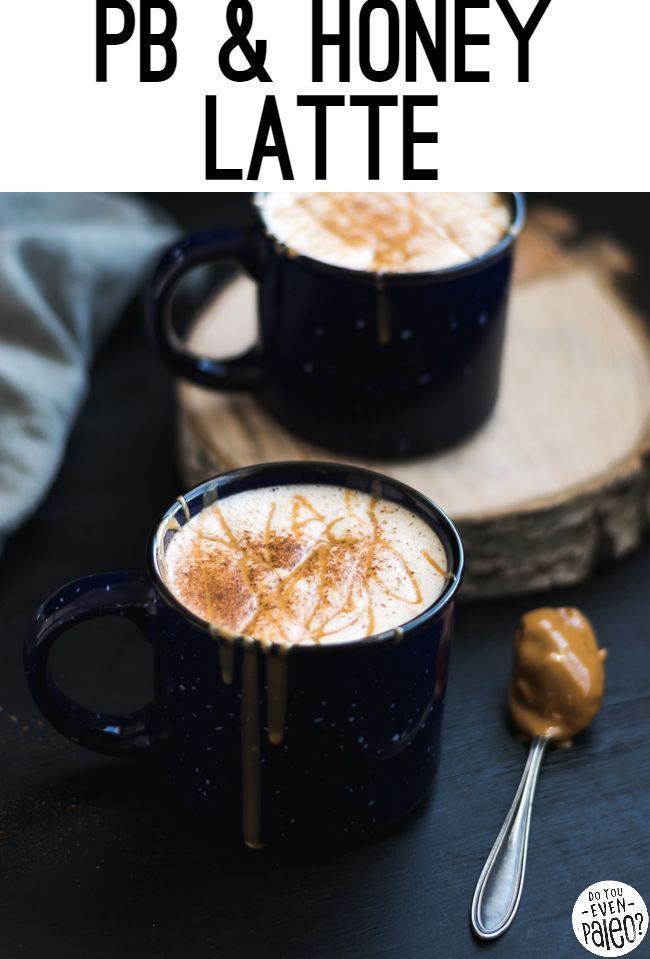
69, 264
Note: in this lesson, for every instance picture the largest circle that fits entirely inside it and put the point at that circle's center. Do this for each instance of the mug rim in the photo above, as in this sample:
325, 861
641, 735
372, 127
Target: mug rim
324, 468
516, 201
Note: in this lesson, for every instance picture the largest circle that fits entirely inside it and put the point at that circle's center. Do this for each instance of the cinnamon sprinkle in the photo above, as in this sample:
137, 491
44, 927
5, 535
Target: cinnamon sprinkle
309, 584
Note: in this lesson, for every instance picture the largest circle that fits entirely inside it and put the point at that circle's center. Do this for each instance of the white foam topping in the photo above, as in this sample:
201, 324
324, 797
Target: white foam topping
387, 232
306, 564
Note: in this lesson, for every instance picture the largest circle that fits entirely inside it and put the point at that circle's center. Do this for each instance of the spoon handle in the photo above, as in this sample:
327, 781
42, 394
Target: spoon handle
499, 887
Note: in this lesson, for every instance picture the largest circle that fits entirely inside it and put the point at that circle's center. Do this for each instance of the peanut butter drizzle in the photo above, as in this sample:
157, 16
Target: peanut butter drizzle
227, 662
353, 218
384, 315
250, 747
438, 568
558, 677
225, 640
276, 682
276, 685
252, 556
342, 566
184, 507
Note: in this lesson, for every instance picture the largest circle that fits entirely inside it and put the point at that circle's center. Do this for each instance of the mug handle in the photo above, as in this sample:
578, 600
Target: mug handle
109, 594
244, 372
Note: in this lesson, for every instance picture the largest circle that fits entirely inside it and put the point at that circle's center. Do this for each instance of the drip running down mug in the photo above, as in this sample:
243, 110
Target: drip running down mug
276, 743
369, 364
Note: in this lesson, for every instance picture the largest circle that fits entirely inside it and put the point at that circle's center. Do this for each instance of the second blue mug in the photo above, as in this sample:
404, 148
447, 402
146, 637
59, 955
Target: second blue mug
369, 364
325, 742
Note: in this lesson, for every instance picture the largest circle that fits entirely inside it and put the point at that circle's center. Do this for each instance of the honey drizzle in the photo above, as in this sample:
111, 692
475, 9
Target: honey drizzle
250, 747
368, 574
227, 530
277, 653
276, 682
184, 507
276, 688
296, 525
364, 570
384, 315
227, 661
267, 532
225, 640
352, 220
436, 566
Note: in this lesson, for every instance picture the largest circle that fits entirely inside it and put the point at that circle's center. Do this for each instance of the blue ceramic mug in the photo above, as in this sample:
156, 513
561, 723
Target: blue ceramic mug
374, 365
333, 741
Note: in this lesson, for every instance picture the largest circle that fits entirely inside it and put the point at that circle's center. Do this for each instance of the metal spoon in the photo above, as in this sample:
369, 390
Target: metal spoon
498, 891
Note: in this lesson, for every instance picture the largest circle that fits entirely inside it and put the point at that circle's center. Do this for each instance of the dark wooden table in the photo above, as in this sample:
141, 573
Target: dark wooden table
95, 859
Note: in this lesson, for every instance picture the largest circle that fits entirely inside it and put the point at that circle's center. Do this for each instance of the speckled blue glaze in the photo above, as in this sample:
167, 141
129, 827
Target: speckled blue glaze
390, 365
362, 725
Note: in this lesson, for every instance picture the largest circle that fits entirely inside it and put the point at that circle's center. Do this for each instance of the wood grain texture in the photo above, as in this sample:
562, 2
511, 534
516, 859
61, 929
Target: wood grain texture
557, 481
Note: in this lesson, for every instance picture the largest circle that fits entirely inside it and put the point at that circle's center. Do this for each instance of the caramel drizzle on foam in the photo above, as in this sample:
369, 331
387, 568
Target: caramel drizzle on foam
353, 219
438, 568
358, 558
392, 225
276, 652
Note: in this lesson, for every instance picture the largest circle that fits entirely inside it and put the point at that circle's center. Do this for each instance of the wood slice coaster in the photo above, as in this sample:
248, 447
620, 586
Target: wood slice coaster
557, 481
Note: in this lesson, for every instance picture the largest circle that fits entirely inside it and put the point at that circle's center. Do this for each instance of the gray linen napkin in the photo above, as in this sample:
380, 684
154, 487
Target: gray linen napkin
69, 264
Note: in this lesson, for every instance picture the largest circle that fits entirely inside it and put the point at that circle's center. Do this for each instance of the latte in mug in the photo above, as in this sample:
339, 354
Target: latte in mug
387, 232
306, 564
292, 723
381, 316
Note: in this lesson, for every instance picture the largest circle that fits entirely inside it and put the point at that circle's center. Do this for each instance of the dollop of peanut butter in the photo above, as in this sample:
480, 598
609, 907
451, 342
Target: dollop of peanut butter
558, 677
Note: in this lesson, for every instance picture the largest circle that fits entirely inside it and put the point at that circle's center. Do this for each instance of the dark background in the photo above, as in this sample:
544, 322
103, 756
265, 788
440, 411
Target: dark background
95, 859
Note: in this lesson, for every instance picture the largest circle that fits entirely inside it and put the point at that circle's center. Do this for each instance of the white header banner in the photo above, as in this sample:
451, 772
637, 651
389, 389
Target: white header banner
233, 95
